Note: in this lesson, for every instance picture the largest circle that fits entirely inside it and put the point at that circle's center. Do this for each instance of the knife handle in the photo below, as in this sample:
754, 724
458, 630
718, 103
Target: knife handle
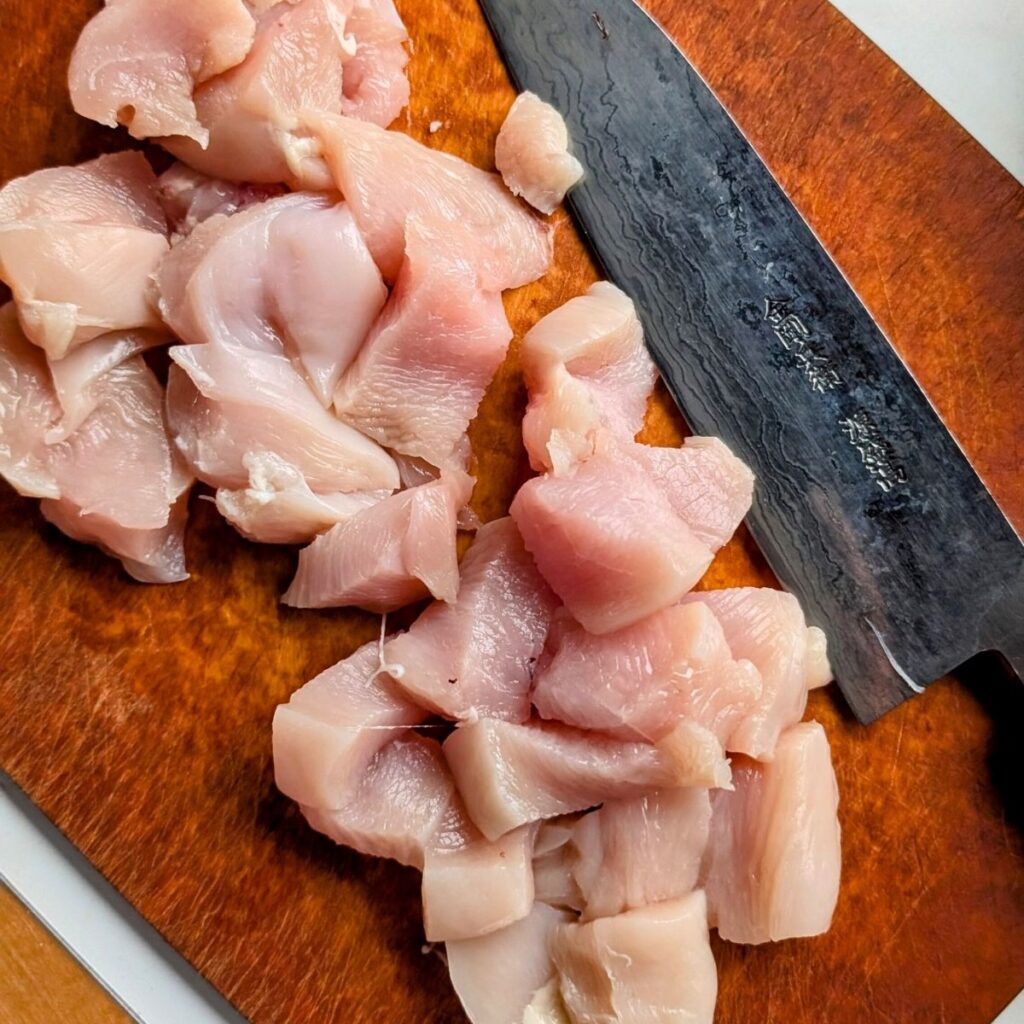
1004, 624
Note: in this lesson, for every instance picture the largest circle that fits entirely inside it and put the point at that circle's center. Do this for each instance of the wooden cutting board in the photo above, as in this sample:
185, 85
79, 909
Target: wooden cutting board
139, 717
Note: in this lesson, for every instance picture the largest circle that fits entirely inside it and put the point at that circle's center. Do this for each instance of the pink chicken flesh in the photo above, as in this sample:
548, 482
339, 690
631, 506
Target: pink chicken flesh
189, 197
79, 246
476, 656
774, 852
389, 555
532, 153
375, 86
387, 177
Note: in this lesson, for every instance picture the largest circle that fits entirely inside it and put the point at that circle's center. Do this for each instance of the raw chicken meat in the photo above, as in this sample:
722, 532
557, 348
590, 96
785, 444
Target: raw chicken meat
586, 368
375, 86
632, 853
638, 682
389, 555
291, 274
652, 965
817, 670
78, 247
774, 852
532, 153
496, 976
473, 887
252, 111
332, 728
475, 657
418, 380
608, 542
189, 198
388, 177
138, 62
278, 506
553, 879
510, 774
766, 627
397, 806
225, 402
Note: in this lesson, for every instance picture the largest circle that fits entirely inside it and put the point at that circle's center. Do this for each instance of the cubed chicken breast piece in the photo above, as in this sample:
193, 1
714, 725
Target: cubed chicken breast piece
419, 379
376, 87
509, 774
586, 368
138, 62
79, 247
774, 853
386, 177
330, 730
476, 656
497, 976
532, 153
652, 965
766, 627
639, 682
608, 542
288, 275
389, 555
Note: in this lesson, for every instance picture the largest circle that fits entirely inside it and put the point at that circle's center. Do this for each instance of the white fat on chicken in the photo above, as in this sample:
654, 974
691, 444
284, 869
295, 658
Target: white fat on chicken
532, 153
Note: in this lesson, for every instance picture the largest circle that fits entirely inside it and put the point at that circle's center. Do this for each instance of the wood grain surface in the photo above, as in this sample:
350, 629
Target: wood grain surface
139, 718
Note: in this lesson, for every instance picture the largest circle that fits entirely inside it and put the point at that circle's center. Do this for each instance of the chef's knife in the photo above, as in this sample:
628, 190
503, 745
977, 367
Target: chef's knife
865, 507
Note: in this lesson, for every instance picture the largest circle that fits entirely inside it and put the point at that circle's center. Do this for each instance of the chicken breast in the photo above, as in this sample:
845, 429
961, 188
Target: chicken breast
419, 379
189, 197
633, 853
766, 627
639, 682
476, 656
652, 965
389, 555
288, 275
278, 506
330, 730
225, 402
79, 246
138, 62
497, 976
510, 774
774, 852
388, 177
376, 88
608, 542
586, 368
532, 153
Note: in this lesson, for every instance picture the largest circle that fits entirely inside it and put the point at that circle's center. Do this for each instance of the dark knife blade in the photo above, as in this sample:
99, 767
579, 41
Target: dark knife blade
865, 508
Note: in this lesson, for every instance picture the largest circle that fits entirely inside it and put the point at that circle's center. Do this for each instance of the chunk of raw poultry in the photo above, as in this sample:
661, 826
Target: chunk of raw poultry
419, 378
291, 274
553, 879
774, 853
476, 656
138, 62
189, 197
652, 965
79, 246
472, 886
388, 177
123, 438
225, 402
278, 506
497, 976
252, 111
389, 555
532, 153
817, 670
639, 682
586, 368
509, 774
397, 806
608, 542
766, 627
632, 853
331, 729
77, 377
375, 85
